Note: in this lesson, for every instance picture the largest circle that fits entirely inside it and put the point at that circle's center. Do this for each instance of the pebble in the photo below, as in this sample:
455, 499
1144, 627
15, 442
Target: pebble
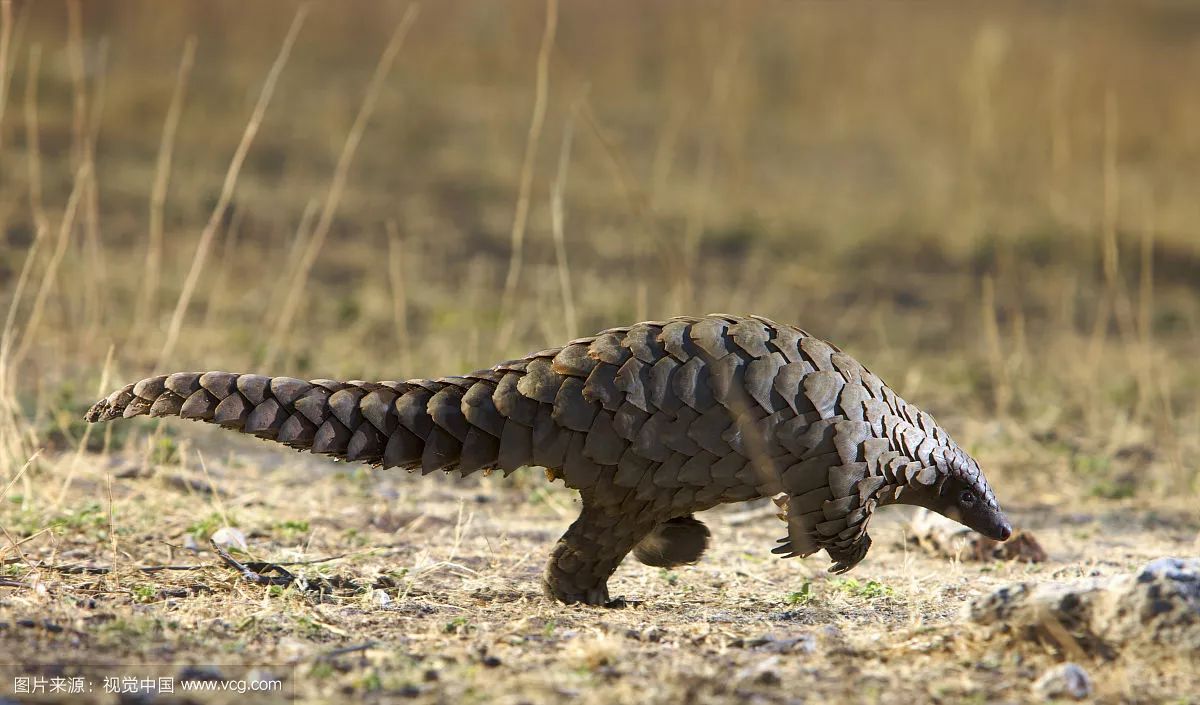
1066, 680
230, 536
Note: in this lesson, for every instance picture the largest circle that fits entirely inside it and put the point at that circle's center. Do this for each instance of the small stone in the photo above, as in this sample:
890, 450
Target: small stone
804, 643
491, 661
761, 671
229, 536
1066, 680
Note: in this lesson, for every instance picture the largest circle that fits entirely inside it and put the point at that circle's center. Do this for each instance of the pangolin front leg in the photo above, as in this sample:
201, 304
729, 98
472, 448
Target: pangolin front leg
846, 558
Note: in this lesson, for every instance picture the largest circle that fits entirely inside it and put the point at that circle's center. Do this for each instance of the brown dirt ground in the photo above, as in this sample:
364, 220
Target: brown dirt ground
443, 603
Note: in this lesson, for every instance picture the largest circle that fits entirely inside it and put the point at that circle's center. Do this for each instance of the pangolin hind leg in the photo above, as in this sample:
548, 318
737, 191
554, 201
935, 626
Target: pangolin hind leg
591, 549
674, 542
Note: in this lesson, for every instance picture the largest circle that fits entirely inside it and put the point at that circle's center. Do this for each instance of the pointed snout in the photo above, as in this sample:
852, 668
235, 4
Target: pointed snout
993, 525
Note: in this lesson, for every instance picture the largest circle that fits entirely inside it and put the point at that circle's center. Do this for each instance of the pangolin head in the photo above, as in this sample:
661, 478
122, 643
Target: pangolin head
960, 492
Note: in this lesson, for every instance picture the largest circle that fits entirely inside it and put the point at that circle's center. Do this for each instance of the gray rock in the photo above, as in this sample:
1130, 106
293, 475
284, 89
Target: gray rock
1160, 603
1066, 680
804, 643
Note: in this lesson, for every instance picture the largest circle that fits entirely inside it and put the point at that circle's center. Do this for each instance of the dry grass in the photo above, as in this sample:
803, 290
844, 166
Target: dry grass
993, 208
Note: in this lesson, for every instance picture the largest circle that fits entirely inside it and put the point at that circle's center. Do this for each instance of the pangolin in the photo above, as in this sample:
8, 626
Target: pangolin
651, 423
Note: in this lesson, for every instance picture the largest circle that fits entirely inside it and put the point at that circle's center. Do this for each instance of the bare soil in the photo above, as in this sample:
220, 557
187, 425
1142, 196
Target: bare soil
432, 593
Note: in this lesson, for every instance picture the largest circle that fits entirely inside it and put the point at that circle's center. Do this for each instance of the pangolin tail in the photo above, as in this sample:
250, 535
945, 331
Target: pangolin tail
415, 424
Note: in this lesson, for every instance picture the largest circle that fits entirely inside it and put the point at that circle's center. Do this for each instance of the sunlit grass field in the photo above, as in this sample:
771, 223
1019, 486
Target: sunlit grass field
993, 207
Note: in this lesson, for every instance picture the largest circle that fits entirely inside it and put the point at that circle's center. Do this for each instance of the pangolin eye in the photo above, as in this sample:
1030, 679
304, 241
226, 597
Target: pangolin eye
966, 497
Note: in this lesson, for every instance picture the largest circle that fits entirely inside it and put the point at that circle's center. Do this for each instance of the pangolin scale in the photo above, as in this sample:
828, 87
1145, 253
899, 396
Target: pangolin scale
651, 423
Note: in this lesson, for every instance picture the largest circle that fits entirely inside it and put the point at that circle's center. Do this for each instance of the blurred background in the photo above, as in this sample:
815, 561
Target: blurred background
993, 207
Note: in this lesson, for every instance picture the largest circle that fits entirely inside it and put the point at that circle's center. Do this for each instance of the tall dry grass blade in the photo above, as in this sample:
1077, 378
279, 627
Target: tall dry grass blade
81, 447
1144, 318
217, 296
1111, 202
666, 148
95, 273
6, 340
557, 219
231, 176
148, 296
1108, 225
532, 138
1116, 303
1115, 290
683, 294
41, 222
214, 491
20, 473
338, 183
295, 253
33, 140
1145, 315
396, 282
1001, 384
1096, 340
12, 442
1060, 138
50, 274
642, 209
112, 527
13, 543
78, 91
5, 69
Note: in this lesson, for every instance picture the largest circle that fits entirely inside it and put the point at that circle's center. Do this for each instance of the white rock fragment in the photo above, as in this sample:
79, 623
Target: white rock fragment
1066, 680
229, 536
